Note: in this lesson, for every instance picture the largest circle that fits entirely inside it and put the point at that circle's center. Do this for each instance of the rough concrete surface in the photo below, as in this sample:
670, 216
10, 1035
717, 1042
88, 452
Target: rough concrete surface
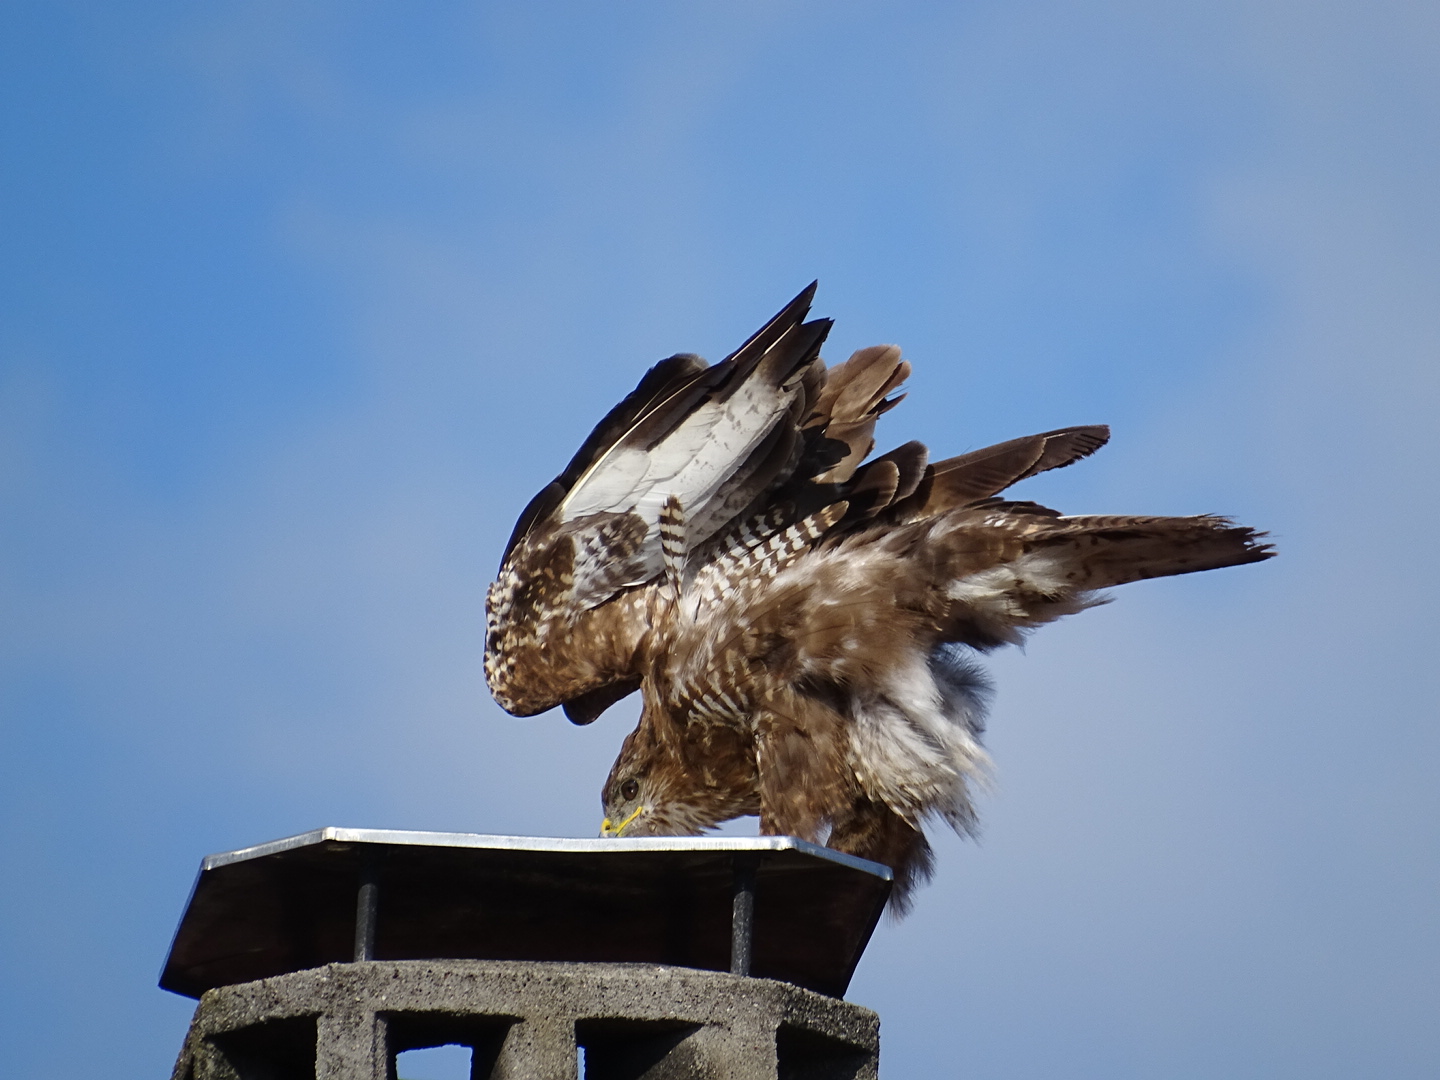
527, 1021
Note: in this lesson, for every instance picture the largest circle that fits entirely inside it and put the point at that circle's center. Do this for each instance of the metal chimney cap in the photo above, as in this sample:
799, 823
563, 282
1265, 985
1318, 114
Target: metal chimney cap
291, 904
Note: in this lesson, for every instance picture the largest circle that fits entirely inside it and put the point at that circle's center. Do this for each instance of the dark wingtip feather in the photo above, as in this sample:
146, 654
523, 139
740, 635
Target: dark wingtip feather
989, 471
541, 506
1065, 446
792, 314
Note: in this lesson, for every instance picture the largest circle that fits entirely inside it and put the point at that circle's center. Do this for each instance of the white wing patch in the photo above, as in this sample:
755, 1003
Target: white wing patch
691, 463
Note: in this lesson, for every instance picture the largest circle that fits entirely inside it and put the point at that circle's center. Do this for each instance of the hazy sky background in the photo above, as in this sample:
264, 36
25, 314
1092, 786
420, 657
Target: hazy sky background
302, 302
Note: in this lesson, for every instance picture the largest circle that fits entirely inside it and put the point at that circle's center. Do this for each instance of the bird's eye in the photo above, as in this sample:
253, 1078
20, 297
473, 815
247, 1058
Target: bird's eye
629, 789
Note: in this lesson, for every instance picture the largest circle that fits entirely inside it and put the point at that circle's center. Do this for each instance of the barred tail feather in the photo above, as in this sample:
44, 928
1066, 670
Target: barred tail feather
1013, 566
1102, 552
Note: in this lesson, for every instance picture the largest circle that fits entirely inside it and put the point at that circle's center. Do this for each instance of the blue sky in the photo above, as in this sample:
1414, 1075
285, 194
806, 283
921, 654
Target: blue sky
301, 303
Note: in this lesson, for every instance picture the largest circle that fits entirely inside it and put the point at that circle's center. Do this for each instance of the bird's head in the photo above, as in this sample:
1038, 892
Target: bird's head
637, 797
652, 792
663, 788
626, 809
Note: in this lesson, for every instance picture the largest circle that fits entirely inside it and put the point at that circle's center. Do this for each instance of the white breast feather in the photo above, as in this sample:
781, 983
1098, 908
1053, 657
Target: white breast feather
912, 751
995, 589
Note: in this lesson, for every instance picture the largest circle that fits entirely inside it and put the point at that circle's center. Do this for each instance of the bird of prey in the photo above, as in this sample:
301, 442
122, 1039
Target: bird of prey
801, 623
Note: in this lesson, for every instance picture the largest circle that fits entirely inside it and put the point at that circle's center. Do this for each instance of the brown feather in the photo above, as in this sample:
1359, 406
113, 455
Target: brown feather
871, 830
1110, 551
587, 708
1067, 446
874, 487
853, 398
801, 747
982, 473
910, 458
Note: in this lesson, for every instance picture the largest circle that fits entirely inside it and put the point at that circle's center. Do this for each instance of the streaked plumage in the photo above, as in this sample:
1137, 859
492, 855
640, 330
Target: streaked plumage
801, 623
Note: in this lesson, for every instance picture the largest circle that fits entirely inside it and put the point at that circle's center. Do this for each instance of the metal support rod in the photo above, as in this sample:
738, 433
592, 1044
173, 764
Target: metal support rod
742, 914
367, 908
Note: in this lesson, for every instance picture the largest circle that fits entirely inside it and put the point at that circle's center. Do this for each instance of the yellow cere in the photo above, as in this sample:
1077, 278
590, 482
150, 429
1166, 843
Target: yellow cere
606, 829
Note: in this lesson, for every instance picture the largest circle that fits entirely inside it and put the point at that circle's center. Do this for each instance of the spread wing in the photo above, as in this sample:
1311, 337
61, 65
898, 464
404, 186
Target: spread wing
701, 473
711, 478
568, 615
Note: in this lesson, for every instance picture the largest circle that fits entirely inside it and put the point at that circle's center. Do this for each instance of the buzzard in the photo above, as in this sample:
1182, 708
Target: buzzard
801, 623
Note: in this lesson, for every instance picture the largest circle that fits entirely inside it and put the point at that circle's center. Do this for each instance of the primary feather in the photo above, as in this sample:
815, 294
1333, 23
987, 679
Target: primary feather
800, 622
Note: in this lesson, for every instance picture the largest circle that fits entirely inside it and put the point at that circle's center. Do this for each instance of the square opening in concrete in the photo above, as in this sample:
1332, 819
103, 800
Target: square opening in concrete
808, 1055
638, 1050
274, 1050
414, 1032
